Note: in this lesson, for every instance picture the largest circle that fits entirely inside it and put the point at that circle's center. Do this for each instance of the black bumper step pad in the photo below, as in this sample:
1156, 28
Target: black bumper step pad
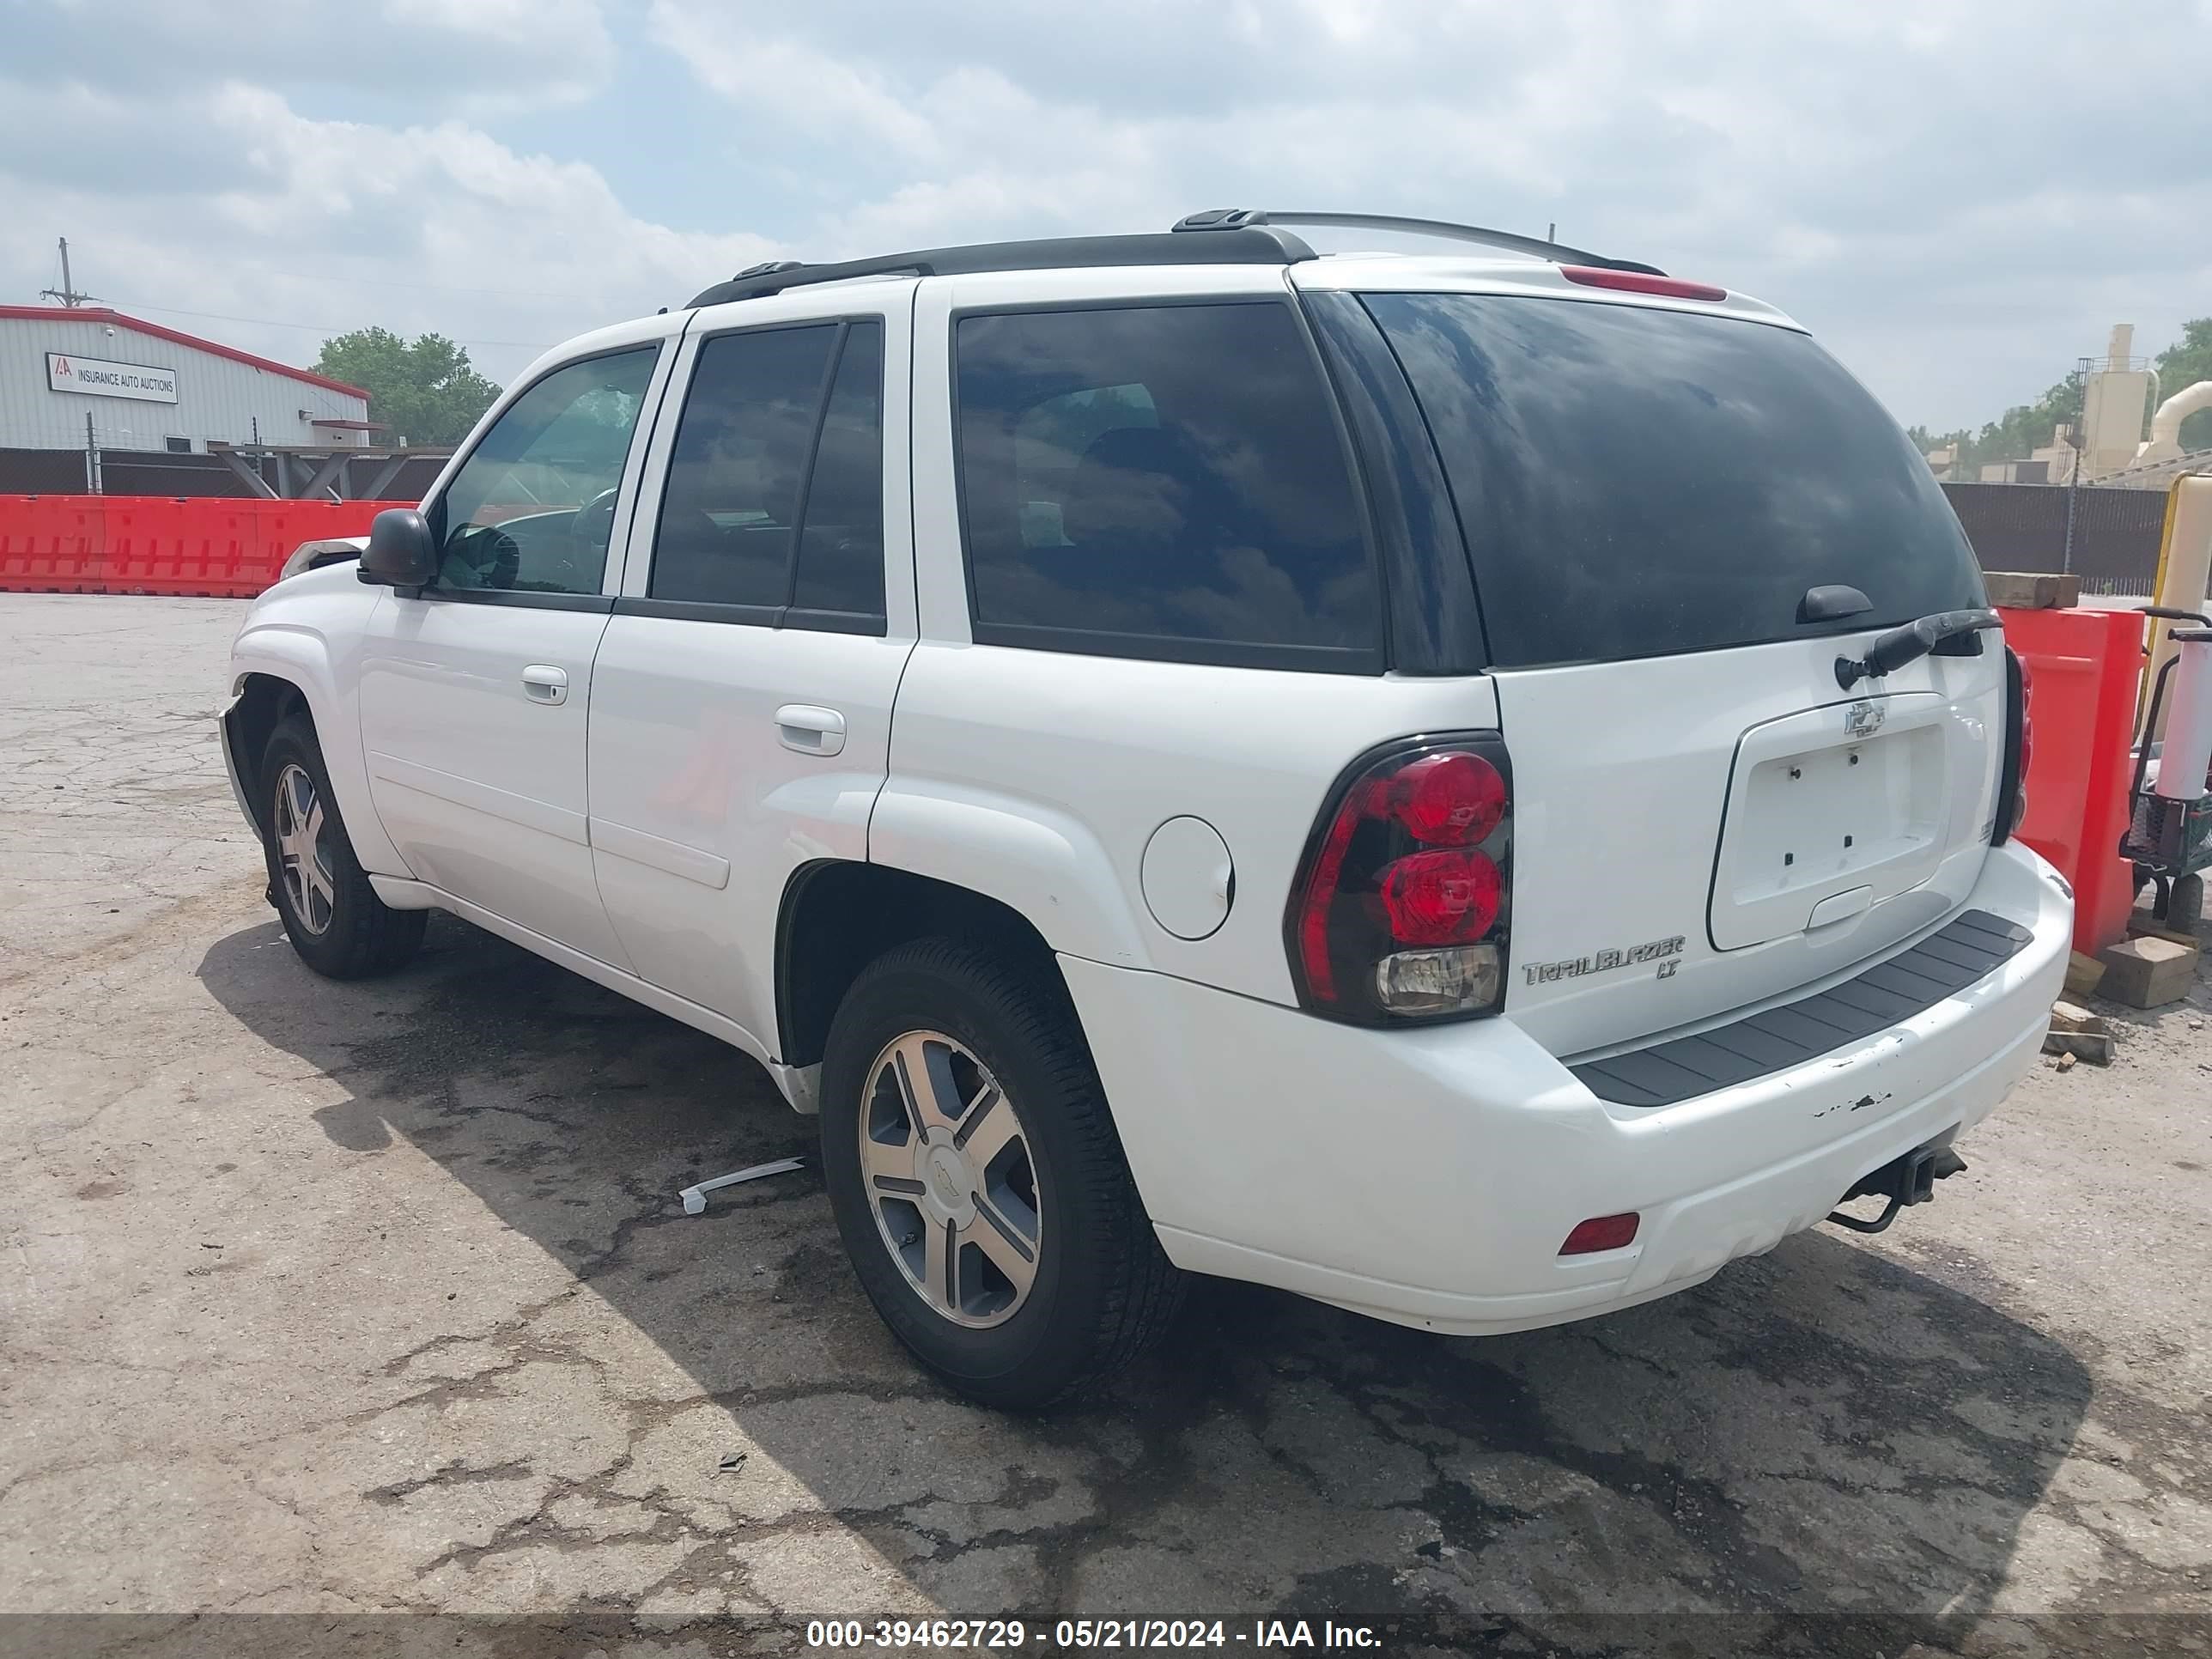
1972, 946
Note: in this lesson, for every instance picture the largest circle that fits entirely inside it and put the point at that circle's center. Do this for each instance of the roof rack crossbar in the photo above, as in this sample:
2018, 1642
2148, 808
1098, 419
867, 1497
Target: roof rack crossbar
1217, 221
1240, 245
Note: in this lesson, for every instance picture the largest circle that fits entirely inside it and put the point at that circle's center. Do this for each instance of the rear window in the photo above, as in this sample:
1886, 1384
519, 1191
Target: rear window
1161, 481
1639, 482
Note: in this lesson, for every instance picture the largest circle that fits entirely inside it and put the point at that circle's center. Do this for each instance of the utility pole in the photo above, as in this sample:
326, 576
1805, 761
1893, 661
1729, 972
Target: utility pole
66, 293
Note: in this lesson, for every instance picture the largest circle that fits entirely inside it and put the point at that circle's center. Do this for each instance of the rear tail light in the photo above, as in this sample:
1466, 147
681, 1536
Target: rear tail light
2019, 749
1400, 908
1638, 282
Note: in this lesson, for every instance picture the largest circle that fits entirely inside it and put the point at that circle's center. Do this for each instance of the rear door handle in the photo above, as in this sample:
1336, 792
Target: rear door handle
810, 731
543, 683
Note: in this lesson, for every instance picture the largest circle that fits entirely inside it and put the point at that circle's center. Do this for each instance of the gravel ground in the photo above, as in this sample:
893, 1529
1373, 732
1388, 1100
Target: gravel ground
352, 1300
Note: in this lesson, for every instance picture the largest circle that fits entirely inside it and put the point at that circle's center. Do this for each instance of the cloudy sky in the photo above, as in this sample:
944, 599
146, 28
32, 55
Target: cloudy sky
1960, 198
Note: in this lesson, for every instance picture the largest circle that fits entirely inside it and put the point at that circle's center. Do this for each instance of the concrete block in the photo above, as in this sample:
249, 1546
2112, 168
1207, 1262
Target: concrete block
2149, 973
2094, 1047
2140, 926
2083, 974
2071, 1017
2020, 591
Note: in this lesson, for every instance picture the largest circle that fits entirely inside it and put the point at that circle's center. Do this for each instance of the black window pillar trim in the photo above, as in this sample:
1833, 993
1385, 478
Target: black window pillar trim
810, 619
673, 360
1433, 615
524, 599
806, 502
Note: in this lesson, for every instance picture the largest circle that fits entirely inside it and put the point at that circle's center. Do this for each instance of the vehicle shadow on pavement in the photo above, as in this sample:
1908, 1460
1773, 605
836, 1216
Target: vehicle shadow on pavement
1820, 1434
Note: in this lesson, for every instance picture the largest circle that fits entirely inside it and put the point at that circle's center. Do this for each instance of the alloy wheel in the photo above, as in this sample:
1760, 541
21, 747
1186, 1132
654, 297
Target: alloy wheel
302, 852
949, 1179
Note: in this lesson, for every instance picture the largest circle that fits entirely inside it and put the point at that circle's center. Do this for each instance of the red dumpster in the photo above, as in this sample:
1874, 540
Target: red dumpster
2086, 666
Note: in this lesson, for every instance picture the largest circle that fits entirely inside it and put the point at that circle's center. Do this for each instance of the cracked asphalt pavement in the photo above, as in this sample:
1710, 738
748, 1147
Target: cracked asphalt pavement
379, 1299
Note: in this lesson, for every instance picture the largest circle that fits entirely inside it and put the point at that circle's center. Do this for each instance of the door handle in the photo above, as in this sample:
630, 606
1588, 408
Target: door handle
544, 683
810, 731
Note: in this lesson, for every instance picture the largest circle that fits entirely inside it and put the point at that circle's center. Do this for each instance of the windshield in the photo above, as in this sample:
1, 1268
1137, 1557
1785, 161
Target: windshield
1639, 482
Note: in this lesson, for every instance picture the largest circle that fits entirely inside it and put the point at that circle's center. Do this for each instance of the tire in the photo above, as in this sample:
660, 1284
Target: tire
336, 922
1099, 1289
2184, 904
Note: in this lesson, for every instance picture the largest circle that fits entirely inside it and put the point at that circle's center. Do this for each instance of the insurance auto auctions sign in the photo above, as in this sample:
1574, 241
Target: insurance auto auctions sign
102, 379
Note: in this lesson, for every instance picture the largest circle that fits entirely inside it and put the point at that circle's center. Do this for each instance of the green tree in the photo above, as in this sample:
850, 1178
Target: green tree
2021, 430
2184, 363
426, 392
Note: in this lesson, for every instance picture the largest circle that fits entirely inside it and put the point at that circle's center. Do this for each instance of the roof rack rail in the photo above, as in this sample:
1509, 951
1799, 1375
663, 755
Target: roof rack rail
766, 268
1256, 245
1218, 221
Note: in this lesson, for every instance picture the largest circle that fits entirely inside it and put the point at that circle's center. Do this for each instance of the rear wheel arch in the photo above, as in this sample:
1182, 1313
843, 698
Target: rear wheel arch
839, 914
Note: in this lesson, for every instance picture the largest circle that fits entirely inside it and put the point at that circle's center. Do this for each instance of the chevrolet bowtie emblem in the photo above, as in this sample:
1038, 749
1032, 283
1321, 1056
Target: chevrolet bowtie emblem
1864, 719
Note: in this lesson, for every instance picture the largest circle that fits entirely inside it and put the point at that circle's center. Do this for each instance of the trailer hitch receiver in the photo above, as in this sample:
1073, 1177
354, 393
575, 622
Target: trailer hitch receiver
1908, 1180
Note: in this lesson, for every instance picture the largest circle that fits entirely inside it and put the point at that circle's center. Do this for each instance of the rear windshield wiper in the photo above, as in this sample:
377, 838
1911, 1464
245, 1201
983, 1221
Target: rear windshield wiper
1914, 641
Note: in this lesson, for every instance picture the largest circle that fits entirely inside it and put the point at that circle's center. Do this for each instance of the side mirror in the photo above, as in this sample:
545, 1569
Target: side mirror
401, 551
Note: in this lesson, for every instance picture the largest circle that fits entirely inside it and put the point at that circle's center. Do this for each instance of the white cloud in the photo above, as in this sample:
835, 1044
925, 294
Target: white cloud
478, 51
294, 219
1867, 169
576, 27
1960, 201
809, 94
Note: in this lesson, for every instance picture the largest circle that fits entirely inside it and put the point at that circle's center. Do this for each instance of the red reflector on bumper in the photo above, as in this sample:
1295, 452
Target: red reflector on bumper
1602, 1232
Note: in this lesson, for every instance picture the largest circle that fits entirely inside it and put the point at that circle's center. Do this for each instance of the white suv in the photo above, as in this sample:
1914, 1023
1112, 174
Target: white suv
1476, 788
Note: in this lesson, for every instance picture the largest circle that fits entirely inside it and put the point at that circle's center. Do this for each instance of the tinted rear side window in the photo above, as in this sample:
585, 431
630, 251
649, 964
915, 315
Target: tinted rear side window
1160, 480
732, 501
1639, 482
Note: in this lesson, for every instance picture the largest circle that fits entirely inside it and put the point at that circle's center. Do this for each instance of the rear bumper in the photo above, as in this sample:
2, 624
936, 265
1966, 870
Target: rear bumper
1429, 1177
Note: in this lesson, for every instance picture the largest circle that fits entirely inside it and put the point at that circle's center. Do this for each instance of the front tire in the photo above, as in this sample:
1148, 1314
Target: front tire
978, 1181
333, 917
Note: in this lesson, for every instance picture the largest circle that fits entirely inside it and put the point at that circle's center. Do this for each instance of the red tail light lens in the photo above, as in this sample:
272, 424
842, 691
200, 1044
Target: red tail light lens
2011, 809
1638, 281
1400, 910
1602, 1232
1449, 799
1443, 896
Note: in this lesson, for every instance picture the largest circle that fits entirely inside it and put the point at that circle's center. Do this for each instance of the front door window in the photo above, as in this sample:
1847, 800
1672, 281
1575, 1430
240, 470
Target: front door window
533, 509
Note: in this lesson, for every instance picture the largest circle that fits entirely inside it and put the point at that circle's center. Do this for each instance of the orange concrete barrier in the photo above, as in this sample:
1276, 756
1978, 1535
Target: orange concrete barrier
50, 544
207, 548
284, 525
222, 547
2085, 666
